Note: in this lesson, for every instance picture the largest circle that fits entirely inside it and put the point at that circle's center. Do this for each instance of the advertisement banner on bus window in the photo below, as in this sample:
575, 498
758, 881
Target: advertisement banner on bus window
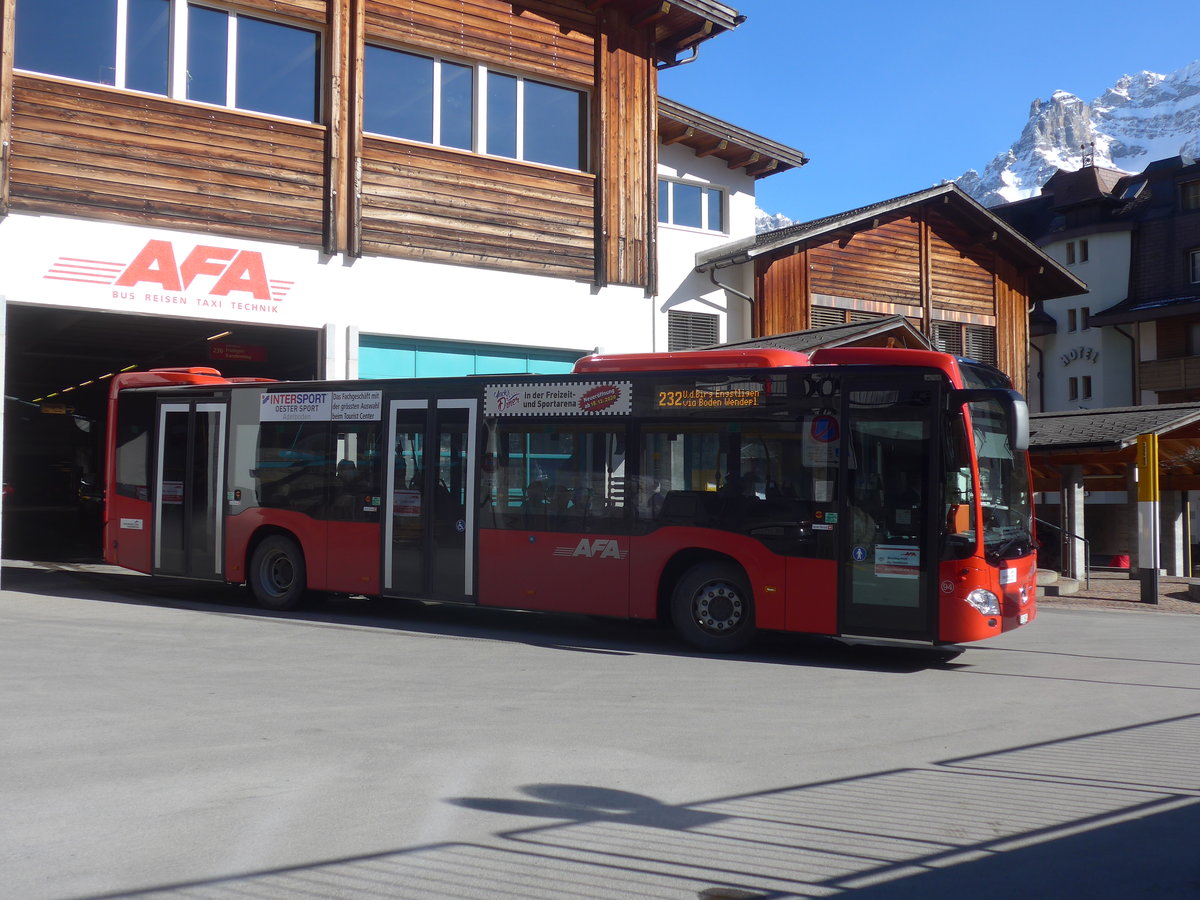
356, 406
611, 398
320, 406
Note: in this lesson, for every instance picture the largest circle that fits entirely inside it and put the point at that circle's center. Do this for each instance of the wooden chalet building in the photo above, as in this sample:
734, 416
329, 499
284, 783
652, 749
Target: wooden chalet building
961, 276
351, 189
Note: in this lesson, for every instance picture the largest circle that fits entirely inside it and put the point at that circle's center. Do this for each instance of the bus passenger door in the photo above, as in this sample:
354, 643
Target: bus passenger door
890, 560
189, 495
429, 521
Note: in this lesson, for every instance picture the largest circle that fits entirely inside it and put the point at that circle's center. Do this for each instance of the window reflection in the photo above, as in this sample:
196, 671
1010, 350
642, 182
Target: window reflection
688, 206
208, 46
457, 107
68, 38
276, 69
502, 115
553, 125
148, 48
398, 97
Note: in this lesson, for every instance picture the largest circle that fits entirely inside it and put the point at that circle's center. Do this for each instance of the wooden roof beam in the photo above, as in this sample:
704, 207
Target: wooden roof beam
651, 14
682, 39
684, 135
746, 159
712, 150
763, 168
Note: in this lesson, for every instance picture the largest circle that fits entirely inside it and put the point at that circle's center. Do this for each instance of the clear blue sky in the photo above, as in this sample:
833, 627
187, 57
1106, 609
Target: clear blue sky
887, 98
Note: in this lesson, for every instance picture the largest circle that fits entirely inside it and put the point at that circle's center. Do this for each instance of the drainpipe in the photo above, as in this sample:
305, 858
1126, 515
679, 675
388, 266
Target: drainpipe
1133, 367
671, 64
1041, 374
712, 276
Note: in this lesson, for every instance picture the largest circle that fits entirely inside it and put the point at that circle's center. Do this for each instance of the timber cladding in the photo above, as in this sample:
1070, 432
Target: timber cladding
961, 268
94, 151
449, 206
553, 39
97, 153
882, 263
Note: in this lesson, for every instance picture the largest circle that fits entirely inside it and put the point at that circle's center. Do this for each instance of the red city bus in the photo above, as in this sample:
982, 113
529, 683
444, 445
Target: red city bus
877, 494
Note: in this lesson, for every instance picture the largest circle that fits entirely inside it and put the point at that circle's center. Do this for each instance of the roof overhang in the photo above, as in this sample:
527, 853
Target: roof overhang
705, 135
887, 331
1146, 310
679, 26
1102, 443
1048, 279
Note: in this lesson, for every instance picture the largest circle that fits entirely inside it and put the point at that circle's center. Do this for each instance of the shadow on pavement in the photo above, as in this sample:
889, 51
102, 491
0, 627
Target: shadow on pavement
964, 828
587, 634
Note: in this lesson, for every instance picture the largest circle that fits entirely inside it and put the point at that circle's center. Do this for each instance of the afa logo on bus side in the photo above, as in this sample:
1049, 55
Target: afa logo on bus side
601, 548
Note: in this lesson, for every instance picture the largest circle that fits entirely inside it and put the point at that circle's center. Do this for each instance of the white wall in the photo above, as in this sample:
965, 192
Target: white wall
1101, 353
680, 288
40, 264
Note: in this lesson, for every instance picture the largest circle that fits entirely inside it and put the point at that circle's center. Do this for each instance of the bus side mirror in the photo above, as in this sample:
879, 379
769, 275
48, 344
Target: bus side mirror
1016, 411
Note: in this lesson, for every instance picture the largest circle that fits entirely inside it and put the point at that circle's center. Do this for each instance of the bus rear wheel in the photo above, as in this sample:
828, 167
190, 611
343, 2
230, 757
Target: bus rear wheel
278, 578
712, 608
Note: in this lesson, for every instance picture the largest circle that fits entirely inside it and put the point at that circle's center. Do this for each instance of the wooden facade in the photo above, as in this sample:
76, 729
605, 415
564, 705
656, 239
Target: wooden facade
93, 151
937, 258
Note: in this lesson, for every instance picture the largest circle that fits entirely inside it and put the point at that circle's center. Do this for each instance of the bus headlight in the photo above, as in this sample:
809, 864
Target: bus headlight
984, 601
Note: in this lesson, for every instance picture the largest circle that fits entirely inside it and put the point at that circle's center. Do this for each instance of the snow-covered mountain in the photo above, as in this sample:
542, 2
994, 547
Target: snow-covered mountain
765, 221
1140, 119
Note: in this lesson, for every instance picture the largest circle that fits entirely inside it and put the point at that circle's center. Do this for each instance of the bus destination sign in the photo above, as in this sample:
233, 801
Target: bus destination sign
740, 395
610, 398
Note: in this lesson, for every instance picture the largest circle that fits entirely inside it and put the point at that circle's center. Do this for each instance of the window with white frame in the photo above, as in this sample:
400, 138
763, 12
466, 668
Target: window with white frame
691, 205
469, 107
1194, 266
186, 51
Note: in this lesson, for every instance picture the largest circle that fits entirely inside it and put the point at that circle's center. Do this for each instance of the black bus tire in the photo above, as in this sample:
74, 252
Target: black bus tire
278, 577
712, 608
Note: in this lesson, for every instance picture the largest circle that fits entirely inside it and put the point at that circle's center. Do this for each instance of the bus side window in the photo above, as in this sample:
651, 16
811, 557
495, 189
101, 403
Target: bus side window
292, 466
569, 478
354, 493
135, 416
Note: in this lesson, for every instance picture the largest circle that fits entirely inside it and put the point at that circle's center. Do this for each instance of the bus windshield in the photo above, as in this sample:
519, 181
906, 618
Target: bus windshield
1003, 485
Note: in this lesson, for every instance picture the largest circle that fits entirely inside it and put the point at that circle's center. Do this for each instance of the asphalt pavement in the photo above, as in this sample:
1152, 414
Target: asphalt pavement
167, 739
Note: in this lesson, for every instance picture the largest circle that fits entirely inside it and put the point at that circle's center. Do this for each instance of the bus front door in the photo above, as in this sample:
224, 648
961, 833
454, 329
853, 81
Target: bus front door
890, 489
189, 496
429, 520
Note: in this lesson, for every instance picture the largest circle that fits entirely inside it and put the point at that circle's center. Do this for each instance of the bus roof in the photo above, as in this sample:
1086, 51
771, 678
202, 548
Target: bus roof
761, 358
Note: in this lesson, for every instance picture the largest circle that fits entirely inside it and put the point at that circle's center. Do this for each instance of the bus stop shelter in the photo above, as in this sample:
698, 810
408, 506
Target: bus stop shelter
1088, 457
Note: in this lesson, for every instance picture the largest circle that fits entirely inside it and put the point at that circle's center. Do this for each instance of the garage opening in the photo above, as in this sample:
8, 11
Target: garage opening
57, 370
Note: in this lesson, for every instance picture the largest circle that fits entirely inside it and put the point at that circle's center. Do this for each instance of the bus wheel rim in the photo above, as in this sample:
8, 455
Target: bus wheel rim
280, 573
718, 607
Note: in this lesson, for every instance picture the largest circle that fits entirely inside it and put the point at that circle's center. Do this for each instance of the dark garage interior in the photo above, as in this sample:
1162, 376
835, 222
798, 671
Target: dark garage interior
57, 370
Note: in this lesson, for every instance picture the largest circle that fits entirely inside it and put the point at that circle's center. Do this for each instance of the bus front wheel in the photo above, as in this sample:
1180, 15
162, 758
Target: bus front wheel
712, 608
278, 578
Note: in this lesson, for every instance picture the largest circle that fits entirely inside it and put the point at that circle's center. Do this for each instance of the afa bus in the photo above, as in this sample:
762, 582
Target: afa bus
878, 494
